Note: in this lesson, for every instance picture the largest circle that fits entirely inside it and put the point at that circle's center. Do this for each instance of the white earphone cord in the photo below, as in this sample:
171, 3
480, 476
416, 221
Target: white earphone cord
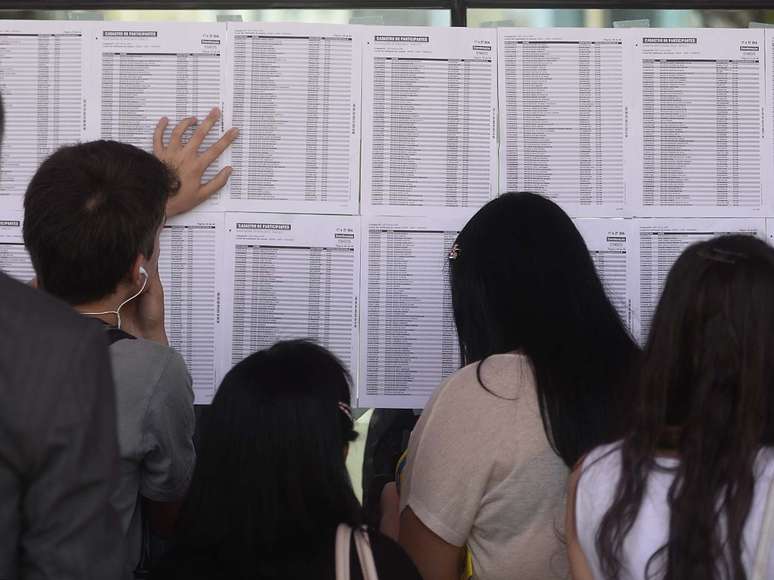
117, 311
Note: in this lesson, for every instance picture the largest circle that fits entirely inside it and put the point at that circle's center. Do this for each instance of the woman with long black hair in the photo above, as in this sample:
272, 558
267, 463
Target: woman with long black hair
270, 487
683, 496
546, 359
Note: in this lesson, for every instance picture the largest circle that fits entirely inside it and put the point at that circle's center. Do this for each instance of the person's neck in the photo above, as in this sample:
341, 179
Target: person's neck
108, 305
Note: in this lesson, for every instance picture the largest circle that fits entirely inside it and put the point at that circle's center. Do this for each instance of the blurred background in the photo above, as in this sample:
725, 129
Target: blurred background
476, 17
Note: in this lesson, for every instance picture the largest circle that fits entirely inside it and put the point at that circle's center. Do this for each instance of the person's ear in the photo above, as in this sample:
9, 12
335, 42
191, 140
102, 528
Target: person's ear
136, 277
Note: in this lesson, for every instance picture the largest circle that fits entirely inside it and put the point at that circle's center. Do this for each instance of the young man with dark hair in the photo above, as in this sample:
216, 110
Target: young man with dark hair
93, 216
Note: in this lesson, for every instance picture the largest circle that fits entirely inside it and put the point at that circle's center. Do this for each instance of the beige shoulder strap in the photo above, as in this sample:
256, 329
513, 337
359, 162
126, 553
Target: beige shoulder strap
365, 555
343, 539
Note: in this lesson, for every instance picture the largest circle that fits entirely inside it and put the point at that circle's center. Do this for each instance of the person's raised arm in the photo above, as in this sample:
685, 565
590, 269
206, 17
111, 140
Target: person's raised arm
184, 157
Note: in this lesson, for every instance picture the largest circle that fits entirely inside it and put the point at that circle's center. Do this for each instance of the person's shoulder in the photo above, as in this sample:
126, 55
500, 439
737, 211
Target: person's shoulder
603, 457
497, 377
43, 337
156, 365
157, 356
35, 312
599, 467
392, 562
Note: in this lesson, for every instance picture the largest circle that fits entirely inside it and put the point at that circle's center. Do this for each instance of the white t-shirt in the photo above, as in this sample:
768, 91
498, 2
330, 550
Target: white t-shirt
596, 488
480, 472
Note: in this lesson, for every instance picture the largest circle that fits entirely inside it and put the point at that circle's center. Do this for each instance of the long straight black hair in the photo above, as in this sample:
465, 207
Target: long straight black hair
270, 484
523, 280
706, 392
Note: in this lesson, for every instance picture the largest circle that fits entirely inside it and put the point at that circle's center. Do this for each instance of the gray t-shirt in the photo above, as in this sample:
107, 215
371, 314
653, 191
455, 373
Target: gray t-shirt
155, 431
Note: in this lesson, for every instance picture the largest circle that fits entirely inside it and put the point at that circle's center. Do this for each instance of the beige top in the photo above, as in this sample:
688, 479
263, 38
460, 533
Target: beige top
481, 472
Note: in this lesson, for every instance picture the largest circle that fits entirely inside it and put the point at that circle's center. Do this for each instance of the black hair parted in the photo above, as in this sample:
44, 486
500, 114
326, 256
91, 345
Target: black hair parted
270, 477
523, 280
89, 211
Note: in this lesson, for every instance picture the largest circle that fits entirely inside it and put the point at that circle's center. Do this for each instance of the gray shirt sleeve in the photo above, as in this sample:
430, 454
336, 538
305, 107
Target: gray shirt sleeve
168, 432
70, 531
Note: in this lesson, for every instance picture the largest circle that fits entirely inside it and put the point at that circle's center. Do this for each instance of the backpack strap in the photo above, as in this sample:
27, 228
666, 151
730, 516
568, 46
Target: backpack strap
115, 334
142, 570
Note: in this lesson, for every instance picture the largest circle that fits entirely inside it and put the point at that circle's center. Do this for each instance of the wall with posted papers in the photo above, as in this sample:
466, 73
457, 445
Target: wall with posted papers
364, 149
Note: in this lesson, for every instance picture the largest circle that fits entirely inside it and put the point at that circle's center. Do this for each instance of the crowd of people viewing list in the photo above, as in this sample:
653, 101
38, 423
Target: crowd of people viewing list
560, 448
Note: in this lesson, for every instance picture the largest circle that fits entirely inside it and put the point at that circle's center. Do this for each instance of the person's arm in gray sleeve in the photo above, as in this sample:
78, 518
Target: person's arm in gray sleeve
168, 440
70, 529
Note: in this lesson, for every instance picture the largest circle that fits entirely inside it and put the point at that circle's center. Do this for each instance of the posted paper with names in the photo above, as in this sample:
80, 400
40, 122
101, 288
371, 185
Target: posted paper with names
14, 258
768, 160
699, 127
291, 277
429, 120
44, 68
295, 97
408, 338
146, 71
563, 116
190, 266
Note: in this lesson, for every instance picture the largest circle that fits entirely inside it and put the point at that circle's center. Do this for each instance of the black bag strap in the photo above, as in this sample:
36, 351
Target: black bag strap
143, 566
115, 334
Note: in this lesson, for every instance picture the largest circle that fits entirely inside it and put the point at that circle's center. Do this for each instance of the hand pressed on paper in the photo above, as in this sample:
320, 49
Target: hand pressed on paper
184, 157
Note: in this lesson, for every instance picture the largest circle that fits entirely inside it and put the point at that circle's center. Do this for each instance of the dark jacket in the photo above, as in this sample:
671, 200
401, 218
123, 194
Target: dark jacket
58, 442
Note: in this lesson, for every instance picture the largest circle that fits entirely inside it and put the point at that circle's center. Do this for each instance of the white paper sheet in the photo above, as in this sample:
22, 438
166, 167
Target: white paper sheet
699, 129
295, 96
429, 120
408, 338
661, 241
289, 277
563, 114
14, 259
610, 243
43, 68
190, 266
145, 71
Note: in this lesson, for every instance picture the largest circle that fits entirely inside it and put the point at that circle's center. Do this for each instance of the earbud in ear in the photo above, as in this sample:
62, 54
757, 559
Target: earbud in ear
144, 272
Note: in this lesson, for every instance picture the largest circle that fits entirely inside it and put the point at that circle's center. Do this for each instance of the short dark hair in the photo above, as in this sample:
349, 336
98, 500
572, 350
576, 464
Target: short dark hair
89, 211
270, 476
